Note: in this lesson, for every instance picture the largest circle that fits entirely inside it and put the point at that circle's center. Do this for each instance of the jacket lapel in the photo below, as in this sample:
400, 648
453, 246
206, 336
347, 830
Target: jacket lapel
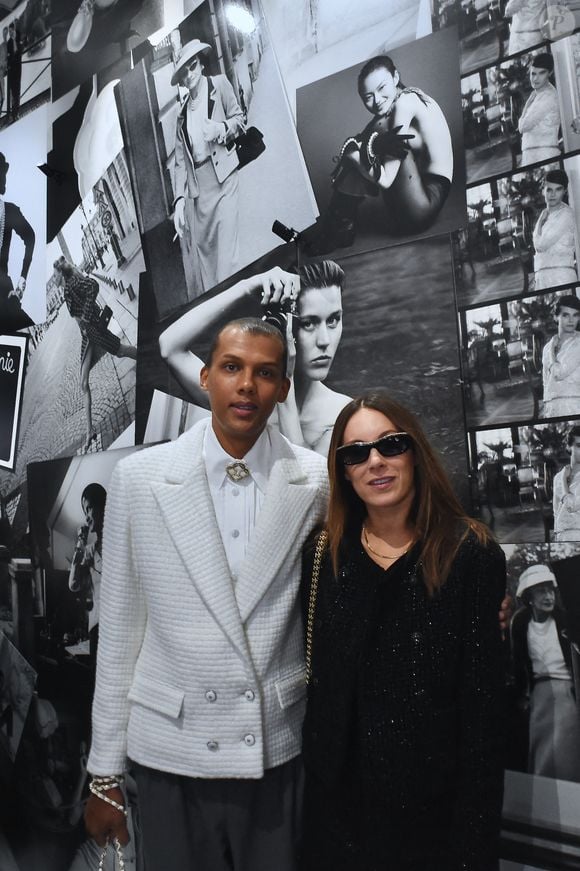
211, 93
289, 496
187, 508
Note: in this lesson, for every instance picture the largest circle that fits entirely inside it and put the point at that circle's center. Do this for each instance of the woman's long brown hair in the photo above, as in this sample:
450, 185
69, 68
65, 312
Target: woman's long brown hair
439, 521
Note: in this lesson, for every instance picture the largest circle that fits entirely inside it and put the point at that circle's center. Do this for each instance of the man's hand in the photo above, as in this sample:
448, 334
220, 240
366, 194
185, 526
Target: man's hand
103, 821
18, 291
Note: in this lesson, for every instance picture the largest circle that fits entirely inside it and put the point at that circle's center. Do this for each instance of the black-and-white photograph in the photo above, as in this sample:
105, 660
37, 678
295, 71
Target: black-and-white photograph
544, 717
490, 30
84, 137
521, 234
25, 58
17, 681
67, 500
515, 114
399, 176
23, 222
316, 39
12, 363
352, 318
89, 36
80, 380
521, 359
522, 478
213, 152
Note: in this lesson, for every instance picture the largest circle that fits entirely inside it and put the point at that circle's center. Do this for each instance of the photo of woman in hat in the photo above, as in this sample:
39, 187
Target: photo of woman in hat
539, 123
12, 316
542, 670
206, 209
555, 235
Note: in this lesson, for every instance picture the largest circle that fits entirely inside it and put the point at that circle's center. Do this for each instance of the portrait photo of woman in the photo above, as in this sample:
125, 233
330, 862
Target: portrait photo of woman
206, 207
554, 236
307, 307
80, 295
397, 175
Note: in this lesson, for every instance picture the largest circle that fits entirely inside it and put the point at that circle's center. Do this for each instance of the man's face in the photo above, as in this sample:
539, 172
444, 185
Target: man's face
244, 382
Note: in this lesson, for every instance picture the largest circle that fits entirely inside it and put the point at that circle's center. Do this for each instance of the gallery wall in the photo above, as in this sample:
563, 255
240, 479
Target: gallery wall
447, 291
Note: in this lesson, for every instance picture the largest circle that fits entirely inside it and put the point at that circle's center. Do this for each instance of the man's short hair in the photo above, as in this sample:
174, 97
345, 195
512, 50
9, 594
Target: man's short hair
573, 434
568, 301
254, 327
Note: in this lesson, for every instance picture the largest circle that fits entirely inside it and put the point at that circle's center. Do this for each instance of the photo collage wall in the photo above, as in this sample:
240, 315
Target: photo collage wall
129, 235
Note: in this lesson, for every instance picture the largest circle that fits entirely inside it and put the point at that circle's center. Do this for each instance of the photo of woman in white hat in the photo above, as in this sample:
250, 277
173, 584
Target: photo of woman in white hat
542, 668
206, 207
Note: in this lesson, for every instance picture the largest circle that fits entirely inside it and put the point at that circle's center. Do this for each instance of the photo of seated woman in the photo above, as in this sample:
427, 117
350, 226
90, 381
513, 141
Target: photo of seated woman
398, 174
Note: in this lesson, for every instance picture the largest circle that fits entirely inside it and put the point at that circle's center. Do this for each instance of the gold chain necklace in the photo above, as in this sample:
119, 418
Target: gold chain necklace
383, 555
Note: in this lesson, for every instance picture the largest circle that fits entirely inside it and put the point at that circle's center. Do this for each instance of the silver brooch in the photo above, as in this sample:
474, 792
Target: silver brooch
237, 471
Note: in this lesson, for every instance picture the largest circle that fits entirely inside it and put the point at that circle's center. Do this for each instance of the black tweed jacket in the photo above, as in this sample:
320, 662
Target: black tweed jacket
403, 737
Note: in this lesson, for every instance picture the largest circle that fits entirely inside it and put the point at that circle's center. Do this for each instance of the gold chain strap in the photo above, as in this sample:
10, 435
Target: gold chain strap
320, 547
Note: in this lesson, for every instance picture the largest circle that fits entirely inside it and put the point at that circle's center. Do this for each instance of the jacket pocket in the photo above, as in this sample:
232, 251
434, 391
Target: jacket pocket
292, 688
157, 696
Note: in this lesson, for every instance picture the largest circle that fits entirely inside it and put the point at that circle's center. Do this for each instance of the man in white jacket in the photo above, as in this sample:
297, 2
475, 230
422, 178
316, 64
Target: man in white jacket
200, 674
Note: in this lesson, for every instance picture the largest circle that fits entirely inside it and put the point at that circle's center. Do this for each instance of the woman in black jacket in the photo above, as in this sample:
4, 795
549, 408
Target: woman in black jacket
403, 737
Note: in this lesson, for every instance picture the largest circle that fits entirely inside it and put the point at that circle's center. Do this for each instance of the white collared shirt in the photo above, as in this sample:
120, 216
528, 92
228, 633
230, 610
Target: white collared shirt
237, 504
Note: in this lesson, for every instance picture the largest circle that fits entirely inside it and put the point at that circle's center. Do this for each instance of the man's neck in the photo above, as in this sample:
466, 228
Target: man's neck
235, 447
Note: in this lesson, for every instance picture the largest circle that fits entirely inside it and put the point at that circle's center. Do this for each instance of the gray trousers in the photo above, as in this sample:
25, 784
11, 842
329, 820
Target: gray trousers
199, 824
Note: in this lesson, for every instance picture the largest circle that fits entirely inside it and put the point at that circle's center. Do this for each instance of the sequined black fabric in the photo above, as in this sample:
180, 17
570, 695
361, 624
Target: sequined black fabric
403, 737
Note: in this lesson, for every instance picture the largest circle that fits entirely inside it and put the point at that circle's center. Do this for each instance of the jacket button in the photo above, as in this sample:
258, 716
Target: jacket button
211, 695
213, 746
249, 740
250, 695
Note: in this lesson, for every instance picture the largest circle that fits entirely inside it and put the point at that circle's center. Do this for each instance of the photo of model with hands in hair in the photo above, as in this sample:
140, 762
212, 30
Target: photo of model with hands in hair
80, 295
206, 204
403, 736
405, 154
313, 331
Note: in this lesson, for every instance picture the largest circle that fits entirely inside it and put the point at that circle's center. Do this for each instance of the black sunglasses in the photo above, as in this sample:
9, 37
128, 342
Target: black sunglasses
390, 445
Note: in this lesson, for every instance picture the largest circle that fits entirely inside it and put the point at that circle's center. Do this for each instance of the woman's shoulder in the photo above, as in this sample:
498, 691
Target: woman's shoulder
480, 552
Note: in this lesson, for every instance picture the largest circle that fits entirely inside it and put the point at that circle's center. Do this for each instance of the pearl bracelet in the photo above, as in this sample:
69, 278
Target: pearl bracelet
99, 789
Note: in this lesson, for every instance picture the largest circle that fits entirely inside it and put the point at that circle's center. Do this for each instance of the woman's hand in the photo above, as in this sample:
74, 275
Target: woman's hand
277, 286
179, 216
213, 131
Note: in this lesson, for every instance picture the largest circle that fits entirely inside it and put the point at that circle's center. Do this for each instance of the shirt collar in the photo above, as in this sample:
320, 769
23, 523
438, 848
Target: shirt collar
258, 460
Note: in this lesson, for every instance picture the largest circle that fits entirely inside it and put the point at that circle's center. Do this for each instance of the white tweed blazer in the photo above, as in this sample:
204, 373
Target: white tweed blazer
197, 675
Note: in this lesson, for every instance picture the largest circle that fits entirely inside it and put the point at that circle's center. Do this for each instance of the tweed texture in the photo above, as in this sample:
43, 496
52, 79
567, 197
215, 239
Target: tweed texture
403, 738
196, 675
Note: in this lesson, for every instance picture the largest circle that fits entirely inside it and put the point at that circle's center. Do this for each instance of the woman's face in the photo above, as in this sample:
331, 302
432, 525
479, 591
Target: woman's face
381, 482
542, 599
567, 321
192, 74
538, 77
553, 194
318, 331
378, 90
